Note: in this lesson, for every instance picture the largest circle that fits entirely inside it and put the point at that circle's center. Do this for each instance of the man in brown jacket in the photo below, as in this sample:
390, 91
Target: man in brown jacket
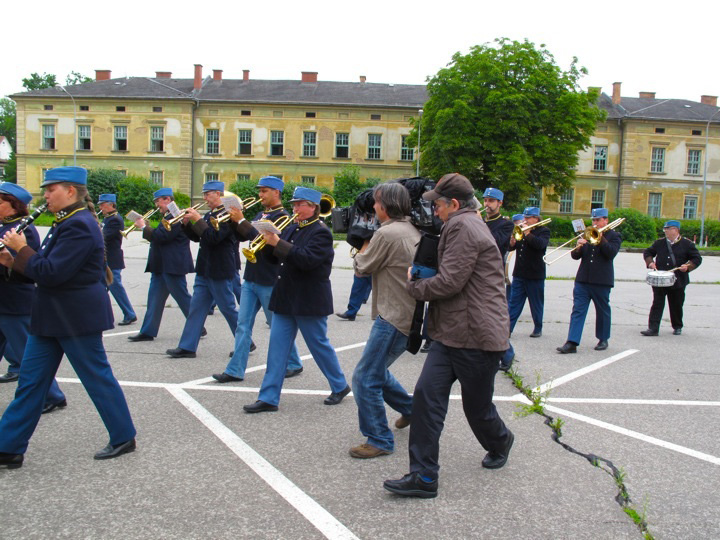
469, 325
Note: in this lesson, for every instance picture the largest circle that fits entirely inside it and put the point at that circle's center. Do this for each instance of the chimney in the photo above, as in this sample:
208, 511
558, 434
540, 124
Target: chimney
363, 78
163, 74
217, 74
709, 100
616, 93
647, 95
309, 76
102, 74
198, 77
246, 74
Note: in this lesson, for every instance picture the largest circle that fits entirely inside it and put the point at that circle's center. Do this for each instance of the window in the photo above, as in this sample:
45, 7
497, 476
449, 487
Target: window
600, 159
657, 161
659, 130
243, 177
308, 179
535, 198
309, 115
212, 139
598, 199
157, 109
342, 145
406, 153
120, 108
374, 146
83, 138
245, 142
693, 163
280, 176
84, 107
690, 207
211, 177
277, 143
157, 139
654, 204
376, 117
123, 172
120, 139
2, 171
566, 202
244, 113
156, 177
309, 144
697, 131
48, 140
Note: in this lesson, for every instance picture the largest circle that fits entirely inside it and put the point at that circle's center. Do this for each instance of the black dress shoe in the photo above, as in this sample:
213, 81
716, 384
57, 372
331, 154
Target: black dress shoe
649, 332
536, 334
140, 337
11, 461
345, 316
337, 397
426, 346
602, 345
50, 407
111, 451
253, 347
677, 332
568, 348
259, 406
203, 333
293, 372
495, 460
180, 353
125, 322
411, 485
9, 377
224, 377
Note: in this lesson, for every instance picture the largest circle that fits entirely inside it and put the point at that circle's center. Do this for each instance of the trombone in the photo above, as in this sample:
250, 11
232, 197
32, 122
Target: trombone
224, 216
519, 230
168, 223
133, 227
593, 235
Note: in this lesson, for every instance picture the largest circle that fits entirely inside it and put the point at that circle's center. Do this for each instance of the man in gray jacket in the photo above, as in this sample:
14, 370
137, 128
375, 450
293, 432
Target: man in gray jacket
469, 325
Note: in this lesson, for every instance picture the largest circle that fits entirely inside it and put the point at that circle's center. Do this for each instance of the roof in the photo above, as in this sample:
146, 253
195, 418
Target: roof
128, 88
682, 110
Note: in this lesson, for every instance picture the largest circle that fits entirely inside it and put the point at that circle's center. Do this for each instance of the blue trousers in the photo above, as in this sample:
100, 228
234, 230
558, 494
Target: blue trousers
532, 290
583, 293
39, 365
373, 385
253, 297
283, 330
120, 296
162, 286
360, 292
205, 292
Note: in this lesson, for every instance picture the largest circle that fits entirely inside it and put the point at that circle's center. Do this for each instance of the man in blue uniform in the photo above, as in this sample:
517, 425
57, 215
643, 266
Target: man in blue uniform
218, 262
112, 225
670, 252
257, 287
169, 262
594, 280
301, 299
500, 227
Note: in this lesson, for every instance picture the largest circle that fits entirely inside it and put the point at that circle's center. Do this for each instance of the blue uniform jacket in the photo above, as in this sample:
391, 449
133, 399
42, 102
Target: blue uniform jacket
265, 270
111, 227
684, 251
501, 230
596, 262
16, 290
303, 287
218, 256
69, 270
530, 251
169, 250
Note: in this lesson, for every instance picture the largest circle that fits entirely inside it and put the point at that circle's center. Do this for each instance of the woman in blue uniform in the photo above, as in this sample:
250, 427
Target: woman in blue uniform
70, 310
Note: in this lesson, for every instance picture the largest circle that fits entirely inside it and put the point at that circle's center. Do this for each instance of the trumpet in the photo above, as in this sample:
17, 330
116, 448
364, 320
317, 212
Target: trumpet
168, 223
327, 203
519, 230
259, 241
593, 235
224, 216
132, 227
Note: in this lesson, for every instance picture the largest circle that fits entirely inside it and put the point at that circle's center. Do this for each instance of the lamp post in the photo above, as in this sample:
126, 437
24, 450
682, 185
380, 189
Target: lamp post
417, 159
74, 125
704, 188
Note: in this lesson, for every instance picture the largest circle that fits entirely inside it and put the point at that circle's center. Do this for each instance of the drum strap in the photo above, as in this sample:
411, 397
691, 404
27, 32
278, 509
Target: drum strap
672, 255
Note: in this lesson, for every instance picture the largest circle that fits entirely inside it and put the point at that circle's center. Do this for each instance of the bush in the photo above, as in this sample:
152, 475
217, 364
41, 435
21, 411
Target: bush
182, 200
135, 193
348, 185
690, 228
637, 227
103, 181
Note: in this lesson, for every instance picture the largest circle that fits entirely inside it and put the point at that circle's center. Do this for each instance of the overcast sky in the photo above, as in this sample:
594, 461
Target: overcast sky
663, 47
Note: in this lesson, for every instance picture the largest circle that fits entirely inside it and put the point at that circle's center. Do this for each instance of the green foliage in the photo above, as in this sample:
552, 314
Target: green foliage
182, 200
244, 188
690, 228
135, 193
38, 82
103, 181
8, 120
637, 227
347, 185
507, 116
76, 78
11, 169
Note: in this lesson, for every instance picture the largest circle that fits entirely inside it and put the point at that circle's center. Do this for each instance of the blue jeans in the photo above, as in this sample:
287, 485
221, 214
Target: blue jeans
204, 292
360, 292
373, 385
583, 293
120, 296
161, 286
282, 336
253, 297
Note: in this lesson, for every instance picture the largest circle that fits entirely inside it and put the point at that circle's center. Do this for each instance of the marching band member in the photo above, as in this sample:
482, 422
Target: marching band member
500, 227
594, 280
258, 283
301, 299
169, 261
673, 251
218, 262
69, 313
112, 225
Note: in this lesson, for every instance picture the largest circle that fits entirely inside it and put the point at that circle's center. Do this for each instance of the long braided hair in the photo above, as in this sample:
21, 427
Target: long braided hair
84, 195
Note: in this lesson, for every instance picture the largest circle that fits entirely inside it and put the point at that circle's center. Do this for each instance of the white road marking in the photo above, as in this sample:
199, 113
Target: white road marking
617, 401
121, 333
325, 522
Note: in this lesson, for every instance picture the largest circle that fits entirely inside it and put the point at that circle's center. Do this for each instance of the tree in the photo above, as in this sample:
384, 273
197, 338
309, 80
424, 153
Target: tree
8, 120
11, 169
76, 78
507, 116
38, 82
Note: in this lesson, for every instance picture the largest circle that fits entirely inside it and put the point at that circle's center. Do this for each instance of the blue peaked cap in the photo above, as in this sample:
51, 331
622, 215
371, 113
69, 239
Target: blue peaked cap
306, 194
19, 192
531, 211
74, 175
213, 186
599, 212
672, 223
163, 192
518, 217
493, 193
107, 197
272, 182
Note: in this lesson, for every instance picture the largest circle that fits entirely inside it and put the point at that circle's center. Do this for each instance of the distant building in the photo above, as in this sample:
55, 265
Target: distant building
5, 153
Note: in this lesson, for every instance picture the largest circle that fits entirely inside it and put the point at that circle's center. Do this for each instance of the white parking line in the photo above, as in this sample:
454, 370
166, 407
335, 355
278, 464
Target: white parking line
323, 520
616, 401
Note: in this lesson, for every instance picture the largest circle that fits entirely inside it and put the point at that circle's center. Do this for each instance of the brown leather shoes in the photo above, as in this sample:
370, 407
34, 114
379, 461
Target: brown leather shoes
367, 451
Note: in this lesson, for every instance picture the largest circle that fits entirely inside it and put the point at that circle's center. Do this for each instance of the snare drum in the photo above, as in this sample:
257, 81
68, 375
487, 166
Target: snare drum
661, 278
